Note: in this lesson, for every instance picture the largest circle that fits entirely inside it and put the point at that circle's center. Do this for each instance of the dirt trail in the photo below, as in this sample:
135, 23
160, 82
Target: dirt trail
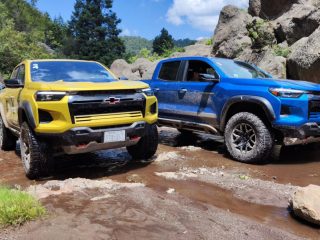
192, 190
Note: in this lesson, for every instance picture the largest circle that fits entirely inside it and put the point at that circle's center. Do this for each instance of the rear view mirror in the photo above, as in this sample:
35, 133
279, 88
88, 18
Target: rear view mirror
208, 78
13, 83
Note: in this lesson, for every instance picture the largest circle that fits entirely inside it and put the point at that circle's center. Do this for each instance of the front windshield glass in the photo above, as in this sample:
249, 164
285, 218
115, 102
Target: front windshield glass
69, 71
238, 69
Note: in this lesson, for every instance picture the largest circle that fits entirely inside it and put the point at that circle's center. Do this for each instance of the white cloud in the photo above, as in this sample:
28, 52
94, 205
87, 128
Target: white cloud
201, 14
128, 32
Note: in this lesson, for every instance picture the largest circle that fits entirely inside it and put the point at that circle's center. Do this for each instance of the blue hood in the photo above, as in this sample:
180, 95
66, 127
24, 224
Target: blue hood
299, 85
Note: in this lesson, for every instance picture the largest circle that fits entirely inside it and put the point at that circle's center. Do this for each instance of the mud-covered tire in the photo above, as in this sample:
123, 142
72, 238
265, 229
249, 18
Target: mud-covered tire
252, 145
185, 131
36, 155
147, 146
7, 139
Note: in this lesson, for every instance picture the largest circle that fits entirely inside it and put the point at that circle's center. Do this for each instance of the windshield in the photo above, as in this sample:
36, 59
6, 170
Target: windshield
71, 71
238, 69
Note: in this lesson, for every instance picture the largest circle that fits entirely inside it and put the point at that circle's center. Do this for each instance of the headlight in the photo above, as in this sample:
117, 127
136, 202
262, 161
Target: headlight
148, 92
286, 93
49, 96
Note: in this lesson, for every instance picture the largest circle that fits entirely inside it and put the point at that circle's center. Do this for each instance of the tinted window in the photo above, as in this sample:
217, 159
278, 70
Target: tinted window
21, 73
14, 73
169, 71
69, 71
197, 68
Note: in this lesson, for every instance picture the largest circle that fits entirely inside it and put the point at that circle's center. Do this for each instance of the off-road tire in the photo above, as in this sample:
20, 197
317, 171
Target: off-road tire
255, 150
7, 139
185, 131
147, 146
36, 155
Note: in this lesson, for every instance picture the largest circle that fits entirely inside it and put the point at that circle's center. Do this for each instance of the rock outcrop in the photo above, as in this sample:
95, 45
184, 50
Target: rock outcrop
280, 36
305, 203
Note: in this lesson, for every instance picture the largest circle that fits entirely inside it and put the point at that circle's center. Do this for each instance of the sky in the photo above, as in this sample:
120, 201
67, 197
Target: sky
194, 19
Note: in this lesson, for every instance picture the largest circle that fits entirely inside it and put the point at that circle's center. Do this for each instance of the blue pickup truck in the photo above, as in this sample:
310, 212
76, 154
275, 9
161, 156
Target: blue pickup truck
243, 103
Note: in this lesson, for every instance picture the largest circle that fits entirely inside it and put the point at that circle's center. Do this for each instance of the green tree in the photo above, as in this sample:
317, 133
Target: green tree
163, 43
94, 34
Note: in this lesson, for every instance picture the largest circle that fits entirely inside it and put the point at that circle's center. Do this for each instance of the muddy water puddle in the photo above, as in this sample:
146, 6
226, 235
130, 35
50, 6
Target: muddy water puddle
297, 165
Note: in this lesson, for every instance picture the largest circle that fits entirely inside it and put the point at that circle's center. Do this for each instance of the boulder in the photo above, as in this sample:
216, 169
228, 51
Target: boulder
300, 21
266, 60
269, 9
231, 35
123, 69
305, 203
304, 61
144, 68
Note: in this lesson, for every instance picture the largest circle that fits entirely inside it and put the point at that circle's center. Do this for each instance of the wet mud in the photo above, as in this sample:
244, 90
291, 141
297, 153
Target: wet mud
195, 207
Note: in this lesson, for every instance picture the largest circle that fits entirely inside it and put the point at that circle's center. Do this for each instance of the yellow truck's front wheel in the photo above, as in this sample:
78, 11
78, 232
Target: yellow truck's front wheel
147, 146
35, 154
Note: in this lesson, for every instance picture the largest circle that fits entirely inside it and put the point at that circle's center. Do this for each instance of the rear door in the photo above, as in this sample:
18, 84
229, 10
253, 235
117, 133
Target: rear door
197, 94
167, 86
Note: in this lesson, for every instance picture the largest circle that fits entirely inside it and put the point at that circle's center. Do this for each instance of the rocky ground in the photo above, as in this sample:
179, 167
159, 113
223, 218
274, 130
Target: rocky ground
191, 190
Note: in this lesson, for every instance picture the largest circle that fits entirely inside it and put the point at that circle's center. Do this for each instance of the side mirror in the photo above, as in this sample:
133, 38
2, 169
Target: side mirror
123, 78
13, 83
209, 78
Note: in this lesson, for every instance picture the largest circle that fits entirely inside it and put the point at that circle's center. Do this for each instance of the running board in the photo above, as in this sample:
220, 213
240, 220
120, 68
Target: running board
187, 125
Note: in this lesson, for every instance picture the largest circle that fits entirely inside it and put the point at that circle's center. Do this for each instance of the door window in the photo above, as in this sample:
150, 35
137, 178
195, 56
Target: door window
21, 73
197, 69
169, 71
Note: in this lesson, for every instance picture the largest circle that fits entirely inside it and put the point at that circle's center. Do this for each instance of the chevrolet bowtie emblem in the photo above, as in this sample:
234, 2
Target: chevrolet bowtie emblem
112, 100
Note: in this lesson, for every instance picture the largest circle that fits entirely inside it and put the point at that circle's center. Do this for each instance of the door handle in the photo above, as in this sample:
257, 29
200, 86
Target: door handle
183, 90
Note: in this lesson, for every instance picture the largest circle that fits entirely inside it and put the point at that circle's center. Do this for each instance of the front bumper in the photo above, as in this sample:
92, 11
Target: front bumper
85, 139
307, 133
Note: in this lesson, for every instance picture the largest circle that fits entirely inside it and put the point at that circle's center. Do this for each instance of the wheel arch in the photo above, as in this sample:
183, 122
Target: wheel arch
25, 113
254, 104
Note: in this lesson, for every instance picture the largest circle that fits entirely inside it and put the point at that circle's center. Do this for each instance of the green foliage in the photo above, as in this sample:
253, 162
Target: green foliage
281, 51
209, 42
17, 207
162, 43
93, 27
135, 44
261, 33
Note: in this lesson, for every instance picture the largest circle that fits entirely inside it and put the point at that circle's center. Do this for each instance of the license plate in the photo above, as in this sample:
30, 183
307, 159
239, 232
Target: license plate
115, 136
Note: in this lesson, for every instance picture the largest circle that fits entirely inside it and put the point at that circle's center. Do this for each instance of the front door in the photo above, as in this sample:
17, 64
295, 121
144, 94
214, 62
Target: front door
197, 94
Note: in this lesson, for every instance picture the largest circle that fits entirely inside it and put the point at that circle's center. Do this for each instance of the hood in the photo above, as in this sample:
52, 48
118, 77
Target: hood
87, 86
278, 83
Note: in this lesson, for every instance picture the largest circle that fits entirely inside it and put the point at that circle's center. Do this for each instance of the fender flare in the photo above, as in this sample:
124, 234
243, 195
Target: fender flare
26, 108
262, 102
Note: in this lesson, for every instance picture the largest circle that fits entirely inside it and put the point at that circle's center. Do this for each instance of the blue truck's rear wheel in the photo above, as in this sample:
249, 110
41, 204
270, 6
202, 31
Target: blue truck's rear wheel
248, 139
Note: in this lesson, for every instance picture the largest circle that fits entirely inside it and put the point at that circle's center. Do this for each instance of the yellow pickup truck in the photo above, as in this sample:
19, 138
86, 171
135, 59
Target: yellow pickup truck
73, 107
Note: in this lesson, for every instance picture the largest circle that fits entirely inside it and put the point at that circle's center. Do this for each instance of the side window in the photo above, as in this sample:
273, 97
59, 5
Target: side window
197, 68
169, 71
14, 74
21, 73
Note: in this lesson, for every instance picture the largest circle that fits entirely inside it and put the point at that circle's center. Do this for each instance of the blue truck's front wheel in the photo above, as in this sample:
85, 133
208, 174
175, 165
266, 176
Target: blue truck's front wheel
248, 139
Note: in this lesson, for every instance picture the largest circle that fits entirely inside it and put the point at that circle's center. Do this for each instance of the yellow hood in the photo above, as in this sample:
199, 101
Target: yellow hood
86, 86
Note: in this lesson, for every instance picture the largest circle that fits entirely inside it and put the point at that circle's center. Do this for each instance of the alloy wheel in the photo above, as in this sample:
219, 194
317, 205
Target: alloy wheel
244, 138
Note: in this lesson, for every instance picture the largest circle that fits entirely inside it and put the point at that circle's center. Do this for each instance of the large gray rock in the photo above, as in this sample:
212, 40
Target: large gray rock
144, 68
269, 9
304, 61
231, 35
306, 203
123, 69
298, 22
266, 60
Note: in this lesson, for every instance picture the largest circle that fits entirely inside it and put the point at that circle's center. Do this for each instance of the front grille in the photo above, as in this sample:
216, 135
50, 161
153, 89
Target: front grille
104, 118
314, 109
97, 103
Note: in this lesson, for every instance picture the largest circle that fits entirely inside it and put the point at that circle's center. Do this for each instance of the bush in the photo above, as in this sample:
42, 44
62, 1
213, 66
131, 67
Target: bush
261, 33
17, 207
281, 51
